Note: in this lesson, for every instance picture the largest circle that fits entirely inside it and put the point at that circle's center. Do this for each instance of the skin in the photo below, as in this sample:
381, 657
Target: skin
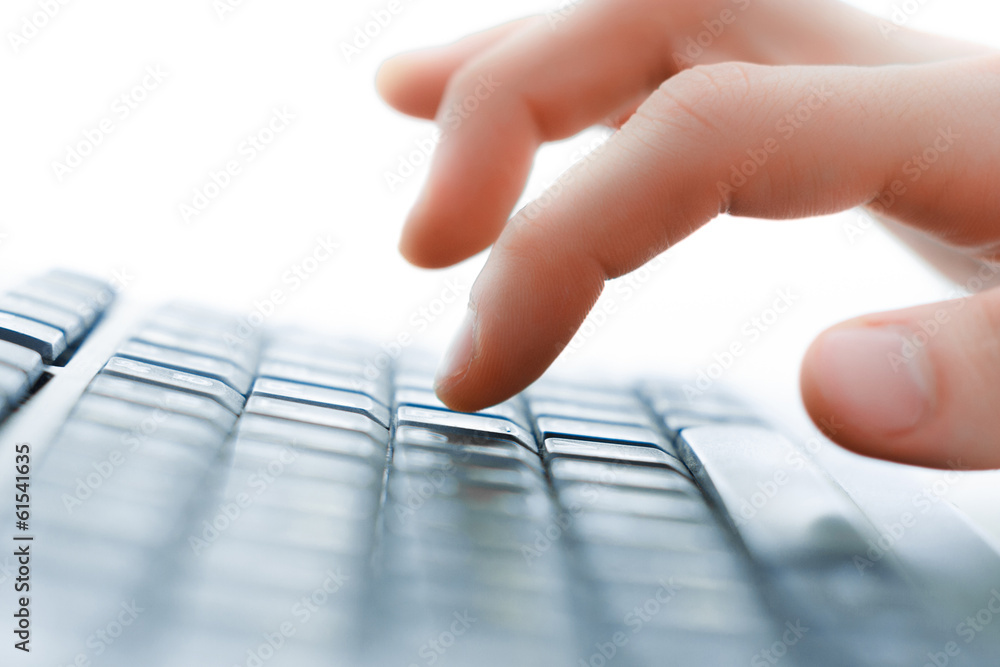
890, 385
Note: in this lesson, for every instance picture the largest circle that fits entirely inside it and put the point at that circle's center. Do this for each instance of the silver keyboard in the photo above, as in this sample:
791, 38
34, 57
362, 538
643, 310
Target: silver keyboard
211, 499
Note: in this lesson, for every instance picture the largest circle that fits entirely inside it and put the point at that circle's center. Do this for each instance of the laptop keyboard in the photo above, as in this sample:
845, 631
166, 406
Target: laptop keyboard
281, 500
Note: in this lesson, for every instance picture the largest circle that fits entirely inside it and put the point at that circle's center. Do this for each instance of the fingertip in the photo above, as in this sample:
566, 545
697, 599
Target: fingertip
390, 80
863, 394
419, 249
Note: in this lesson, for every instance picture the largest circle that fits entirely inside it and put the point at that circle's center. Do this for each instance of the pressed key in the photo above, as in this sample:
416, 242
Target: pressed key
69, 323
23, 359
223, 371
475, 425
422, 398
195, 384
454, 445
612, 451
323, 397
46, 340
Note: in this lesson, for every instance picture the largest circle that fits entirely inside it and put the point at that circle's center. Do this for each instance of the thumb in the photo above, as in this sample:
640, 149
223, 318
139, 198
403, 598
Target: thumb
918, 386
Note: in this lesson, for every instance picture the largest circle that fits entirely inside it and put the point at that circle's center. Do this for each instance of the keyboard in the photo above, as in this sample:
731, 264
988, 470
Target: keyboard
190, 493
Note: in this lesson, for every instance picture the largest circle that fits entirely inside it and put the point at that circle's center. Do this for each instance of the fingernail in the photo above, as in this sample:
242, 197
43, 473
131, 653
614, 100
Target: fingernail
460, 355
875, 379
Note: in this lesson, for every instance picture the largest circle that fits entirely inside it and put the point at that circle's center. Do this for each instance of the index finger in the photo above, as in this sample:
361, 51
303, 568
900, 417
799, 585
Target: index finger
777, 142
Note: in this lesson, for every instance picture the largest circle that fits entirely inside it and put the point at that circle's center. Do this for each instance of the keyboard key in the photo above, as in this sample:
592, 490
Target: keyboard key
569, 470
553, 427
581, 394
612, 451
243, 355
47, 341
98, 292
635, 502
458, 447
168, 399
141, 420
649, 533
358, 436
474, 425
421, 398
377, 390
56, 295
630, 415
13, 384
310, 414
323, 397
223, 371
165, 377
27, 361
69, 323
252, 456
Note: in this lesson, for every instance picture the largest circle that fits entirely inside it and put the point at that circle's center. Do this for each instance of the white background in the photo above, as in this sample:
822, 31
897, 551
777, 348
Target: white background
325, 176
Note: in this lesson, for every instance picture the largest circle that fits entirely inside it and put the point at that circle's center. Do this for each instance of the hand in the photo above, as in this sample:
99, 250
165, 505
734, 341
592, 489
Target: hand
916, 141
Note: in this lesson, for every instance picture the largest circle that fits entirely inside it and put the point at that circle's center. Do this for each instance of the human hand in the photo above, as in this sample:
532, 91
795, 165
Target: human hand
784, 134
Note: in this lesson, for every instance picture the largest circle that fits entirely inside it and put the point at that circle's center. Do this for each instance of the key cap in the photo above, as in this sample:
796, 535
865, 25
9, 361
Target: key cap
146, 421
310, 414
552, 427
607, 451
569, 470
360, 437
244, 356
570, 393
69, 323
675, 506
167, 399
421, 398
629, 415
323, 397
143, 372
805, 533
472, 424
13, 384
58, 297
375, 389
98, 292
649, 533
458, 446
47, 341
23, 359
223, 371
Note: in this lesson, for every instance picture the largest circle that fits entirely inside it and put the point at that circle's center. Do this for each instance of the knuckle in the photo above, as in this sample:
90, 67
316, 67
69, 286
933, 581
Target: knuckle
706, 96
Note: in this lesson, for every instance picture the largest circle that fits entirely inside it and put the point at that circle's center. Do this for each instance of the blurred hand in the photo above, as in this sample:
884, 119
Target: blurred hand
827, 109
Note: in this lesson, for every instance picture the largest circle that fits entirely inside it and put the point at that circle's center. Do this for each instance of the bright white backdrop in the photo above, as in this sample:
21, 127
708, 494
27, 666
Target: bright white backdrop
227, 65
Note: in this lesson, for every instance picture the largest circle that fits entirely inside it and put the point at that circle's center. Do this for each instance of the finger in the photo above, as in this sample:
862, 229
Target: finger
414, 82
756, 141
918, 386
536, 85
